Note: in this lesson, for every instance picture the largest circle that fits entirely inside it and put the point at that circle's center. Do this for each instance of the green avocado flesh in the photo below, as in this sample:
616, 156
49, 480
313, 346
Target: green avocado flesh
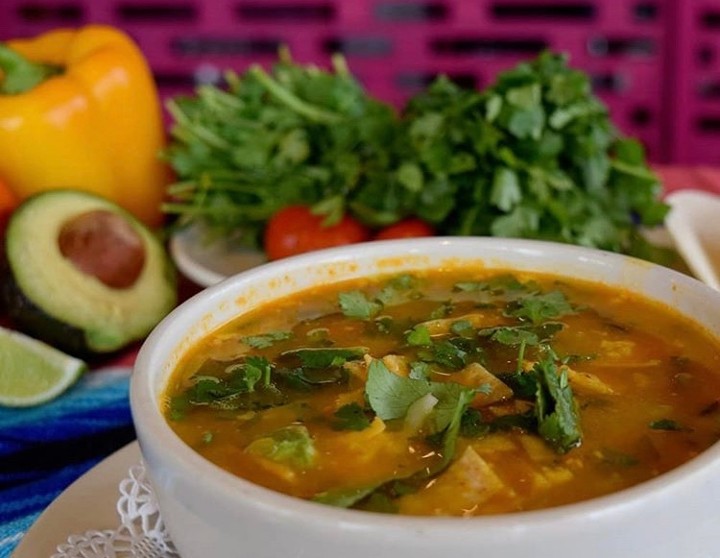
53, 298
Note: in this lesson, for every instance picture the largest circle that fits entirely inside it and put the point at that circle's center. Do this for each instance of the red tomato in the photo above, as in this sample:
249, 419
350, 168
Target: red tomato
407, 228
294, 230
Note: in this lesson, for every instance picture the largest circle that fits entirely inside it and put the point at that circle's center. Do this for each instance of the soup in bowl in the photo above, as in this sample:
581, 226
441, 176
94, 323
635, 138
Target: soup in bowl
408, 398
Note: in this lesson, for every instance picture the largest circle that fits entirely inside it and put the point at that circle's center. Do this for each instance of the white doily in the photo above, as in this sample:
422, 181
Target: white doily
141, 533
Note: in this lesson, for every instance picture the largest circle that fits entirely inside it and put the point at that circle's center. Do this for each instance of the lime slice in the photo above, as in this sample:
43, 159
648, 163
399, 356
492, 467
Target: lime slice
32, 372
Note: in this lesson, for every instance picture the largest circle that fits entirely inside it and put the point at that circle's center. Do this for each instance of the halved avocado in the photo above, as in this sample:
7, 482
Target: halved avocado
83, 274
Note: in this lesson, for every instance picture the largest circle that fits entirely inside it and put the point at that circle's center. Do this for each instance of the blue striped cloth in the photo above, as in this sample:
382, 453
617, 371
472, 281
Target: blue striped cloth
44, 449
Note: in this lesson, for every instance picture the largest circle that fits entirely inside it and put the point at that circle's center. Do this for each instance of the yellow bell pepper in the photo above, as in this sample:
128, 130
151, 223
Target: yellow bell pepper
79, 109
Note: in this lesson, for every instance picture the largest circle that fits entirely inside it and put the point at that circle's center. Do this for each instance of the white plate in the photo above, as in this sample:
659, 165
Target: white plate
694, 225
207, 263
87, 504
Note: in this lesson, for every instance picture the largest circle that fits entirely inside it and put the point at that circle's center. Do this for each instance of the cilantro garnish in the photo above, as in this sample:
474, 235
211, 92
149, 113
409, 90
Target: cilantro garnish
420, 370
419, 336
555, 407
291, 445
449, 353
540, 307
442, 311
401, 286
668, 425
265, 340
245, 385
391, 395
498, 285
463, 328
534, 155
321, 357
351, 417
355, 304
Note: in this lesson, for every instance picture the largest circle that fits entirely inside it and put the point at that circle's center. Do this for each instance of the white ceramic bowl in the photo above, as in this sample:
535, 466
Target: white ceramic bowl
213, 514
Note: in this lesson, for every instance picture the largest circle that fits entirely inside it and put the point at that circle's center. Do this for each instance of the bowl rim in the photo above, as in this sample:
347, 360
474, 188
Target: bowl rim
224, 485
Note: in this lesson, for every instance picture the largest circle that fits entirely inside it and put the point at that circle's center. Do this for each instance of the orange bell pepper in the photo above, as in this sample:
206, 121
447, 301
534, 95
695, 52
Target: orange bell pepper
79, 109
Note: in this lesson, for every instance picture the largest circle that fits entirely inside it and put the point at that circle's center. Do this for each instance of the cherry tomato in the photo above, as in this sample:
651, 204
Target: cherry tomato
407, 228
294, 230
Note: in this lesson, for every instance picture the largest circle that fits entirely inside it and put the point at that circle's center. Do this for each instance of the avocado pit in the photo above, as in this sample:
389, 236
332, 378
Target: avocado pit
104, 245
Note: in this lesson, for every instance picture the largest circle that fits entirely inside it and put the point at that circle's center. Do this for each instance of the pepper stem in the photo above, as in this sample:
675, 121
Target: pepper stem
20, 74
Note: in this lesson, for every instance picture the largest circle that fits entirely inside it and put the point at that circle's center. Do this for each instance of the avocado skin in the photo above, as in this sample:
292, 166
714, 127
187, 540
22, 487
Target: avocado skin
31, 319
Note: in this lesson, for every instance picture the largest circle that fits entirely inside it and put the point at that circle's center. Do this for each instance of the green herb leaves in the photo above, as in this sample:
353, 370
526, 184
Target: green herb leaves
555, 407
534, 155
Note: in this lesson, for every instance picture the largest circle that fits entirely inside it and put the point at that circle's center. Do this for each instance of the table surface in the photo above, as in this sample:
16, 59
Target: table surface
44, 449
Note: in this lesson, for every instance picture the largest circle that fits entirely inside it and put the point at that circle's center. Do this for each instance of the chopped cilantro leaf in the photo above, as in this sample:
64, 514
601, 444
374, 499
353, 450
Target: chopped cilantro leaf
291, 445
497, 285
401, 286
419, 336
667, 424
555, 407
320, 357
391, 395
445, 353
309, 378
538, 308
514, 336
472, 424
419, 370
354, 304
350, 417
344, 497
617, 458
442, 311
265, 340
463, 328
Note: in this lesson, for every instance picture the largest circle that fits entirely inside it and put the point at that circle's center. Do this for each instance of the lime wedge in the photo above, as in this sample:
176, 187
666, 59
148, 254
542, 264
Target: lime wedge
32, 372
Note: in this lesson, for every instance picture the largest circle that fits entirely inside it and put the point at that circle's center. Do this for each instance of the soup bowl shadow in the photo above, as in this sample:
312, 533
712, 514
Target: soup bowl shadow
211, 513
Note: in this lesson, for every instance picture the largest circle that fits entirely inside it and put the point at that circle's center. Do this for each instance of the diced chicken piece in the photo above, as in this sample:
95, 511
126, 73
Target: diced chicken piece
397, 364
442, 326
585, 382
623, 353
227, 348
547, 477
537, 449
617, 349
466, 484
359, 440
358, 368
476, 375
581, 381
494, 443
364, 450
513, 407
280, 470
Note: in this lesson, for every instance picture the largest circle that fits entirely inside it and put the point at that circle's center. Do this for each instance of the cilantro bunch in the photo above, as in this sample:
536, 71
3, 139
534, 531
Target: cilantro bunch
295, 135
534, 155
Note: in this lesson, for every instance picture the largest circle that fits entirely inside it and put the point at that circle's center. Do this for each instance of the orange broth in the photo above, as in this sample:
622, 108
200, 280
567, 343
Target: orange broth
562, 391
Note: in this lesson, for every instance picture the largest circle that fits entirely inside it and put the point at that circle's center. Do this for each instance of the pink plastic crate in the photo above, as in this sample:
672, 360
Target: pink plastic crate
395, 47
695, 126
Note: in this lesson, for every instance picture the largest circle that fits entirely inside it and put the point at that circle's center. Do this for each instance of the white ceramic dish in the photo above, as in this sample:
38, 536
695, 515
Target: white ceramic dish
207, 263
209, 512
694, 224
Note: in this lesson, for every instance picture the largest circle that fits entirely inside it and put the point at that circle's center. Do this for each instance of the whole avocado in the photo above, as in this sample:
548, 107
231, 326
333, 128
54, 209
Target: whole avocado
83, 274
